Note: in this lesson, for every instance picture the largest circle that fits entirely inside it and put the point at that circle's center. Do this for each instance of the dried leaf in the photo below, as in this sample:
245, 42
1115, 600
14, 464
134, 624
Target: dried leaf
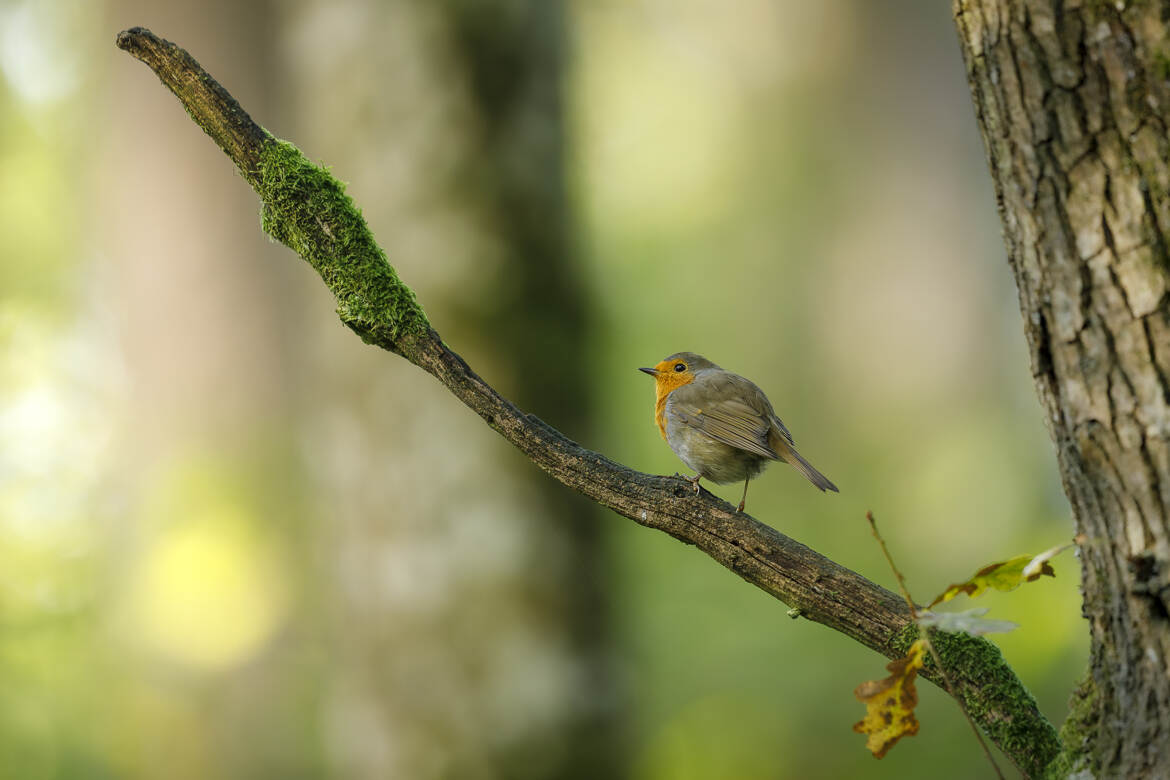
889, 703
1005, 575
969, 622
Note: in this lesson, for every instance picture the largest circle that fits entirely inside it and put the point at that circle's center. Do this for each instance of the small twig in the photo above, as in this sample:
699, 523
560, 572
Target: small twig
950, 685
890, 560
962, 705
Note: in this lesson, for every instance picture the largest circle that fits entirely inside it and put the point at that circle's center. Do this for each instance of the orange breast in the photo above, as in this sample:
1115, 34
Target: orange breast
660, 411
663, 387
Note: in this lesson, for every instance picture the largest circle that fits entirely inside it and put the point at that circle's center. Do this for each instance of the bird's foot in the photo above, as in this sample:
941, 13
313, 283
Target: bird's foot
739, 508
693, 480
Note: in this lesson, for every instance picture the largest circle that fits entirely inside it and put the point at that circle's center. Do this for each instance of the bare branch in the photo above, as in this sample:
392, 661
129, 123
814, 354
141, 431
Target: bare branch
305, 208
208, 103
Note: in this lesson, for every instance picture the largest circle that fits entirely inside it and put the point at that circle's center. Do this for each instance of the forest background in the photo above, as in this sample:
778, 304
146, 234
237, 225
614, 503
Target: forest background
236, 542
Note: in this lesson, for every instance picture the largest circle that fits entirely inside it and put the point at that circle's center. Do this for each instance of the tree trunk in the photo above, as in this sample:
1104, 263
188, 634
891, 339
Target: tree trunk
1073, 103
209, 367
514, 58
448, 118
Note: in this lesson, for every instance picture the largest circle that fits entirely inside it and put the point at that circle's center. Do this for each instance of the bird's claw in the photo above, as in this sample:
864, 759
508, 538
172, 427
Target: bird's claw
693, 480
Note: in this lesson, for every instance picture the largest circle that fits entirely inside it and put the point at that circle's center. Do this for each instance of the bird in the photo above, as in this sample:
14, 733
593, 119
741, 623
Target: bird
721, 424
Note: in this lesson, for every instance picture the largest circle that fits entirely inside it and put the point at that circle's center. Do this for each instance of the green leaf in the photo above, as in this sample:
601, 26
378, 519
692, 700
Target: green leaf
1006, 575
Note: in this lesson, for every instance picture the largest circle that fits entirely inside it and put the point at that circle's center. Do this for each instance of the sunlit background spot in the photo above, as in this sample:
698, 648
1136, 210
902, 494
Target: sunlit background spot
206, 593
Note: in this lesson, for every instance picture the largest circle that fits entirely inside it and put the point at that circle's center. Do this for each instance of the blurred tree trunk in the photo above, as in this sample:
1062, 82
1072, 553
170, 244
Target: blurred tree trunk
1074, 104
472, 638
514, 55
204, 342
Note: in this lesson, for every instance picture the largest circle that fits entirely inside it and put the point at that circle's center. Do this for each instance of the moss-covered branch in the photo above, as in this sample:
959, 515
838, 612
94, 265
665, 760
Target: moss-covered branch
307, 209
992, 696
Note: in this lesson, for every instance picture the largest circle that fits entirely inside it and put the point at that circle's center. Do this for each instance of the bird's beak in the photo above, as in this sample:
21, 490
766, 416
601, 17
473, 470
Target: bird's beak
650, 371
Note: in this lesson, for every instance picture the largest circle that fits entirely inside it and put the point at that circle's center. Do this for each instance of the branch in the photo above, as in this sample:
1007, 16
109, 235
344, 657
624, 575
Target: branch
307, 209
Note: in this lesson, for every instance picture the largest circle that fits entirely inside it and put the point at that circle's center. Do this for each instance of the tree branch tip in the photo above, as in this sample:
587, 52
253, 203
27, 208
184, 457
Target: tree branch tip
132, 39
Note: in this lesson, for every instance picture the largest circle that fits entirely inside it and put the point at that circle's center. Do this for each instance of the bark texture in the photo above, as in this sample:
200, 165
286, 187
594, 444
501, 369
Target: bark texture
1073, 102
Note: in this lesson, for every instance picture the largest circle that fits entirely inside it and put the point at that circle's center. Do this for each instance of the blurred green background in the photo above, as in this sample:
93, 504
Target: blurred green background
236, 542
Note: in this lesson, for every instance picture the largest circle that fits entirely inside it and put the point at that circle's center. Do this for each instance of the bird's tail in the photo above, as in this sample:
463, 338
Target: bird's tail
806, 468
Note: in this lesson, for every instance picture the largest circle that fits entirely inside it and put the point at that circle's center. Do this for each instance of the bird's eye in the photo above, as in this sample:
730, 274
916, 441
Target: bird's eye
680, 366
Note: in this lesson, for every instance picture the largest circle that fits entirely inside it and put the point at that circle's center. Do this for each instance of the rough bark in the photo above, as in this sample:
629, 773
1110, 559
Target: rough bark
307, 209
1073, 101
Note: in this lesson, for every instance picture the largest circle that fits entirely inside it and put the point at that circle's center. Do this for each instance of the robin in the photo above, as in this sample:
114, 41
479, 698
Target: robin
720, 424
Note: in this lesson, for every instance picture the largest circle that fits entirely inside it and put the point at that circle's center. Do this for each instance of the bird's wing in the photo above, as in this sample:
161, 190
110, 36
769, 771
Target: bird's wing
782, 429
724, 419
744, 389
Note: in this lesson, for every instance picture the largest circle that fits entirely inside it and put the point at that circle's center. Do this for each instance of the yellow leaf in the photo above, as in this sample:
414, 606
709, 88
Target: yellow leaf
1005, 575
889, 703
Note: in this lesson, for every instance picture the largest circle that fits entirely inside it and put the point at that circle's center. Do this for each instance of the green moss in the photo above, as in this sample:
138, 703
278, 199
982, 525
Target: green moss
995, 698
1161, 62
307, 209
1077, 735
